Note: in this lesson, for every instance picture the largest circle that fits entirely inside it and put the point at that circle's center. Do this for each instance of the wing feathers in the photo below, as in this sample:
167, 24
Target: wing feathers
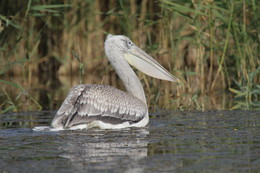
96, 101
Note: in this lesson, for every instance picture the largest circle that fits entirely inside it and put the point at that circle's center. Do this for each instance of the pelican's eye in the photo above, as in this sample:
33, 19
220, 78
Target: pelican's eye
129, 43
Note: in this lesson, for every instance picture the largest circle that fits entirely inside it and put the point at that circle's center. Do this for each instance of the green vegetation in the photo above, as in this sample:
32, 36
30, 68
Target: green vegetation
212, 46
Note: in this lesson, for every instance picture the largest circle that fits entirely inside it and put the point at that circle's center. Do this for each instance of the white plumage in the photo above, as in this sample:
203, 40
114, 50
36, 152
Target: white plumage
93, 105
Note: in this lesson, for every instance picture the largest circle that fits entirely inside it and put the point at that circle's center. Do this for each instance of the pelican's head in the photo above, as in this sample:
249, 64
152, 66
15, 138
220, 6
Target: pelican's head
121, 47
117, 44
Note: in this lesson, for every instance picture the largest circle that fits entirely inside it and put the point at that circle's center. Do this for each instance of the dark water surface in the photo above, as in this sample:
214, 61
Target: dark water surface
212, 141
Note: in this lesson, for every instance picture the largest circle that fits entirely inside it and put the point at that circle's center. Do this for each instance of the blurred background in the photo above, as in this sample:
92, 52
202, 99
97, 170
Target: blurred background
47, 46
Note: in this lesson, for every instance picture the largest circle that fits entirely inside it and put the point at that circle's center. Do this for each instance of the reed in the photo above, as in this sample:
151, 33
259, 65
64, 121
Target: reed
48, 46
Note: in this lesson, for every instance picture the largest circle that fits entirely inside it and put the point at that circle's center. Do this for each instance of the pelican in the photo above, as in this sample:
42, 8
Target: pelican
105, 107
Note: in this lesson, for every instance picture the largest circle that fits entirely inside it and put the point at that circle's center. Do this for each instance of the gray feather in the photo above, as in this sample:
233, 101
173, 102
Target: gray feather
86, 103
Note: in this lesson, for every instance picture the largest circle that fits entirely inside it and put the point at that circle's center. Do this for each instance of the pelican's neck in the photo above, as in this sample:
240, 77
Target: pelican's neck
129, 78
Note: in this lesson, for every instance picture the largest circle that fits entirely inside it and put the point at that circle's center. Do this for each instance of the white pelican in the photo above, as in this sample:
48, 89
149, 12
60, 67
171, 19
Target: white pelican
93, 105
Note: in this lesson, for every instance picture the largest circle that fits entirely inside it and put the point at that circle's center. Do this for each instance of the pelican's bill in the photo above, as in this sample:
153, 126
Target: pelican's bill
146, 64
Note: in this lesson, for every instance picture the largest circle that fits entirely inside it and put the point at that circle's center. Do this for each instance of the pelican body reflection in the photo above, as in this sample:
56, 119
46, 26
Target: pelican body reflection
99, 151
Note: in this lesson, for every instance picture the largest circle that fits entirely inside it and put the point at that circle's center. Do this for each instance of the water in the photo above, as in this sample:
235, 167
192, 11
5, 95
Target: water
212, 141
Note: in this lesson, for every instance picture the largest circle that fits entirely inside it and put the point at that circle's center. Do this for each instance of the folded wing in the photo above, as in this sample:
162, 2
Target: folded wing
87, 103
